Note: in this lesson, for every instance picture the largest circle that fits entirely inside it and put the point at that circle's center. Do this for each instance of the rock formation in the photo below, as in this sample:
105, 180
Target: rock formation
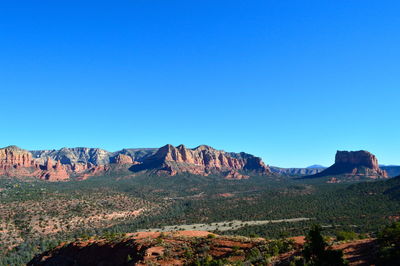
359, 158
235, 175
71, 156
95, 156
296, 171
123, 159
16, 162
54, 173
14, 157
202, 160
355, 164
81, 163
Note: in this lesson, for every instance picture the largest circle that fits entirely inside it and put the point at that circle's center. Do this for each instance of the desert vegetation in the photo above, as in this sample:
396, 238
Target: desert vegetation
37, 215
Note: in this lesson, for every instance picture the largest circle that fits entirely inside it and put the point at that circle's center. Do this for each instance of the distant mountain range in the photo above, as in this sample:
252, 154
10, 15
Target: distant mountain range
81, 163
316, 166
391, 170
296, 171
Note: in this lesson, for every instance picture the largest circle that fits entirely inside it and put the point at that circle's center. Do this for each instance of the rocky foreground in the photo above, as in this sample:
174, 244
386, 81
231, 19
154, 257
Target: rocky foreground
187, 248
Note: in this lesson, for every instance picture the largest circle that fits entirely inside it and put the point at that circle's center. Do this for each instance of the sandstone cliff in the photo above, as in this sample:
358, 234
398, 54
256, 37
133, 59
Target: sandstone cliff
356, 164
202, 160
55, 172
16, 162
81, 163
94, 156
122, 159
71, 156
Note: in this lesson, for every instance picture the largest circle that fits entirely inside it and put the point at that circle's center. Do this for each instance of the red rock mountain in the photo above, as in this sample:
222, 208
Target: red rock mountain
16, 162
354, 164
55, 172
123, 159
202, 160
170, 248
81, 163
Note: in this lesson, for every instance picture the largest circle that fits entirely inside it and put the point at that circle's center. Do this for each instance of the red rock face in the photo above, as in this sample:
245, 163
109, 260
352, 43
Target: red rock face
364, 163
170, 160
123, 159
16, 162
54, 173
202, 160
84, 171
358, 158
14, 157
235, 175
354, 164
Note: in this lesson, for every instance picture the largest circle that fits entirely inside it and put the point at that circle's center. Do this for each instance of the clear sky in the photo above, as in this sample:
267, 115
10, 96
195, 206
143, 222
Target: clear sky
290, 81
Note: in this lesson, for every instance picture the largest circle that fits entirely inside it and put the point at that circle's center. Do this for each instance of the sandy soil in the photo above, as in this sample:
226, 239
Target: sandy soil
358, 252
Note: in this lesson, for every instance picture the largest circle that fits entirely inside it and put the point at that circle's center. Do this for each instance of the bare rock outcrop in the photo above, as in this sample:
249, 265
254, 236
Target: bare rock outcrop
16, 162
123, 159
202, 160
55, 172
358, 158
81, 163
297, 171
235, 175
355, 164
69, 156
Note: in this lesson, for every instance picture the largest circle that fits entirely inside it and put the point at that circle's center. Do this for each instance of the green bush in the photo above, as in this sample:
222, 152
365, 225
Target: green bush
389, 244
317, 252
346, 235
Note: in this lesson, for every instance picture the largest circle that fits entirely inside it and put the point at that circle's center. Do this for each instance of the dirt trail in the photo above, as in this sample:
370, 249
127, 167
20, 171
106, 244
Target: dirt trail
220, 226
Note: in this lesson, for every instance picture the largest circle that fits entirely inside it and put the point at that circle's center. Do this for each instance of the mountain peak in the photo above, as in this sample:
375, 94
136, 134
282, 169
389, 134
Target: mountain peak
201, 160
13, 148
203, 147
315, 166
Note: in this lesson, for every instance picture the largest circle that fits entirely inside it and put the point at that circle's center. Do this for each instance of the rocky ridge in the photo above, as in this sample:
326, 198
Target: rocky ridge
202, 160
16, 162
296, 171
81, 163
94, 156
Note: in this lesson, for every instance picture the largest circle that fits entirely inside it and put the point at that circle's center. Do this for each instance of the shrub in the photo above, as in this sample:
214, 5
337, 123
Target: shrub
317, 252
389, 244
346, 236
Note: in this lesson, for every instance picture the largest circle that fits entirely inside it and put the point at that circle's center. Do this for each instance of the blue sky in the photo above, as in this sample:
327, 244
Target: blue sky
290, 81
